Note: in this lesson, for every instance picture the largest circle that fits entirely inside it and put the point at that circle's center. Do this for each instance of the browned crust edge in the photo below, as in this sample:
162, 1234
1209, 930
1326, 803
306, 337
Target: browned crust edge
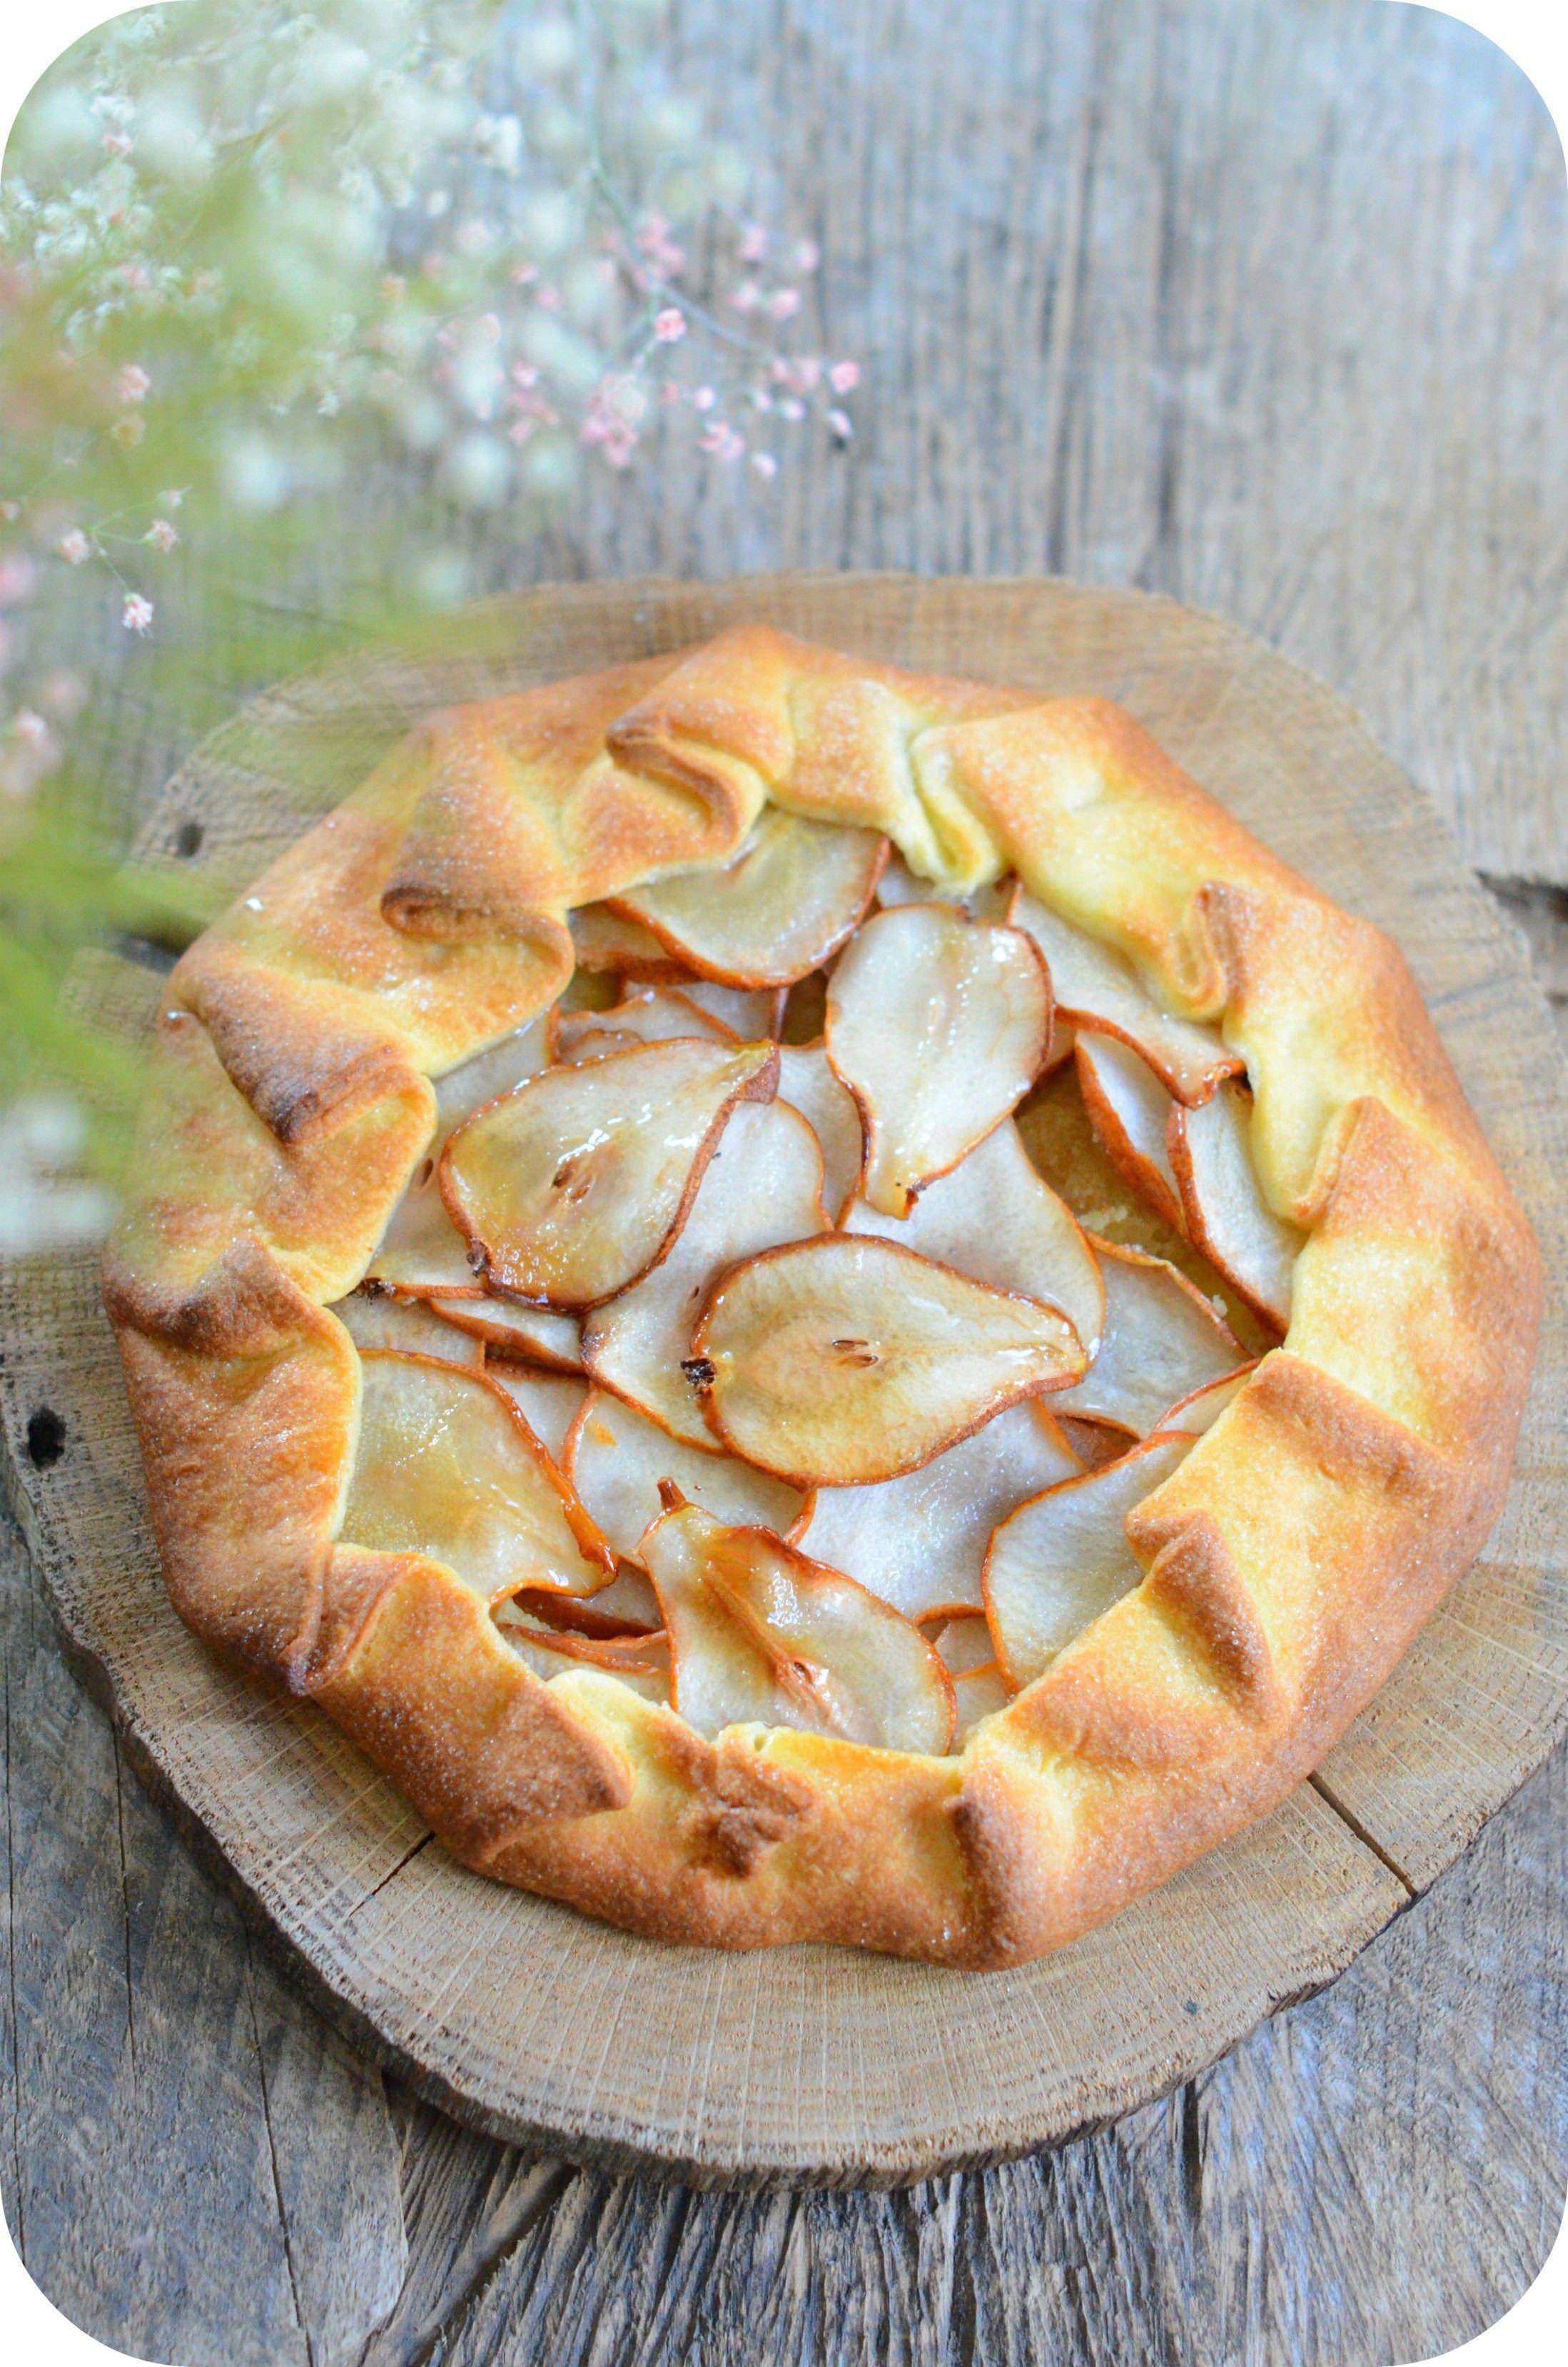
1289, 1560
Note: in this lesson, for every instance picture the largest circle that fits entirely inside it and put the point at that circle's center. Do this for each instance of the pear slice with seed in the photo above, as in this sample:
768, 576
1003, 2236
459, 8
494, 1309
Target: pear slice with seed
995, 1218
1061, 1560
1130, 1110
1211, 1155
571, 1188
615, 1460
759, 1631
919, 1542
779, 907
846, 1360
1098, 987
938, 1025
1163, 1339
447, 1466
762, 1185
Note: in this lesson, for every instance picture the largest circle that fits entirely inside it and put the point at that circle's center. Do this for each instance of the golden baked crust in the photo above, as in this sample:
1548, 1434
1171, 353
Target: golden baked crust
1288, 1561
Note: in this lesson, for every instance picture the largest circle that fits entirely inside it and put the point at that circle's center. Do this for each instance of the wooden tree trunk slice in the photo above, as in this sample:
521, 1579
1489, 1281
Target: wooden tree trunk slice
812, 2064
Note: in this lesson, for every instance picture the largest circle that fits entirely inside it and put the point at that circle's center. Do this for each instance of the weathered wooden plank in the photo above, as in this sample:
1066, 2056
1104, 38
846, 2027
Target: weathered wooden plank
1376, 2174
196, 2168
1262, 303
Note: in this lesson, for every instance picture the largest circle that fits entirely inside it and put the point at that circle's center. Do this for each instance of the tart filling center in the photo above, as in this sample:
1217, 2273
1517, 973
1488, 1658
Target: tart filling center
786, 1324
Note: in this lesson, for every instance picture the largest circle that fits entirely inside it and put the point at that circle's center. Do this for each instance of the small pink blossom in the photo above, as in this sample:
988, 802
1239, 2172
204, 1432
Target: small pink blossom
655, 244
135, 277
116, 143
791, 407
137, 613
807, 254
161, 535
672, 393
722, 441
801, 373
764, 464
761, 398
73, 546
524, 374
30, 729
669, 325
753, 243
784, 303
546, 297
703, 398
133, 385
841, 425
18, 575
747, 297
844, 376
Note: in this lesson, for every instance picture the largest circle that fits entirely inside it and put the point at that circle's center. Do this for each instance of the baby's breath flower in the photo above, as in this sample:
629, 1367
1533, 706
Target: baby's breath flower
765, 464
844, 376
137, 614
133, 385
669, 325
73, 546
161, 535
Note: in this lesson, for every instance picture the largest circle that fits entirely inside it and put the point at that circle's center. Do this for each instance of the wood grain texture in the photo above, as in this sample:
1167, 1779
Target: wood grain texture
1341, 390
813, 2065
1376, 2174
1260, 303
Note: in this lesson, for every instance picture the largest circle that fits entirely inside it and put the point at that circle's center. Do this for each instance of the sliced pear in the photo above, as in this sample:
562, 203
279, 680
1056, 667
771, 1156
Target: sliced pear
899, 884
593, 1043
1211, 1155
807, 1084
977, 1694
381, 1320
1063, 1045
963, 1641
548, 1402
1129, 1109
615, 1458
650, 1014
919, 1542
627, 1606
534, 1333
447, 1466
1062, 1558
938, 1027
638, 1661
846, 1360
1201, 1410
759, 1631
750, 1015
573, 1187
604, 941
781, 906
1094, 984
1162, 1341
762, 1185
420, 1249
995, 1218
1095, 1443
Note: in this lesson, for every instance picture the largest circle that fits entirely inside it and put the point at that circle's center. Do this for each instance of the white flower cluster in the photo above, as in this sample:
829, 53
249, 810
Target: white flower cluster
291, 233
43, 1204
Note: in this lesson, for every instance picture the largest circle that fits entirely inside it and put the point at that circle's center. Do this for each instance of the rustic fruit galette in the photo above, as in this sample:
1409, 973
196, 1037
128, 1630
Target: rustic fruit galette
817, 1303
